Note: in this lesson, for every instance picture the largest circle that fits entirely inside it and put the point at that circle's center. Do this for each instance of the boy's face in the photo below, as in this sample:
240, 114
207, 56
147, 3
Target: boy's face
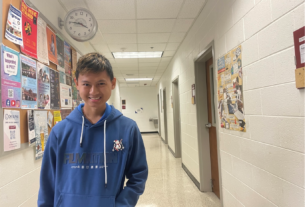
95, 88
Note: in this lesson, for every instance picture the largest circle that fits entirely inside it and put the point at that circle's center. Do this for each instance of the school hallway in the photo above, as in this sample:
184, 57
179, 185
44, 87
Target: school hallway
168, 184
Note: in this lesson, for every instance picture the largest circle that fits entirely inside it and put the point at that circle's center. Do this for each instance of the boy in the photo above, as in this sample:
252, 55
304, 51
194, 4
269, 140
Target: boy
89, 153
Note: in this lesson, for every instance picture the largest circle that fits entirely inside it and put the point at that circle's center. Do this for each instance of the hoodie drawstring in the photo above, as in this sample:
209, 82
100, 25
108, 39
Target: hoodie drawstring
81, 135
105, 154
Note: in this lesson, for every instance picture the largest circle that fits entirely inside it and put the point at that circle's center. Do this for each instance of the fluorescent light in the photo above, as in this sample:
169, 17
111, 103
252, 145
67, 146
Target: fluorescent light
138, 79
137, 54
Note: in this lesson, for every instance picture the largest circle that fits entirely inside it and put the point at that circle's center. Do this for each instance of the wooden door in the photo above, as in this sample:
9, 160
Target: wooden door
212, 129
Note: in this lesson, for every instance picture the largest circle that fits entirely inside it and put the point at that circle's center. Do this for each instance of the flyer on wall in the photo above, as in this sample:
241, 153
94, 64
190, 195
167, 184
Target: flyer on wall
52, 48
42, 44
29, 83
10, 78
74, 62
54, 89
13, 29
60, 51
68, 61
41, 132
29, 30
31, 128
57, 117
62, 77
65, 96
68, 80
11, 129
43, 76
76, 99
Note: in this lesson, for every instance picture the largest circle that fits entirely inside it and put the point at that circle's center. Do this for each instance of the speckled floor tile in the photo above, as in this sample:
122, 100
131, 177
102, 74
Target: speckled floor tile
168, 184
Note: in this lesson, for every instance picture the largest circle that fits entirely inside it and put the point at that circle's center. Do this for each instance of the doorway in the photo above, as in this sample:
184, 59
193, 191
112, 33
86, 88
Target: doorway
165, 116
159, 120
176, 111
207, 123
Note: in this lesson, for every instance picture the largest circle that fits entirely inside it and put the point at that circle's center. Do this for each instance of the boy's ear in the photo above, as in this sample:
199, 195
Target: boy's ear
113, 82
75, 81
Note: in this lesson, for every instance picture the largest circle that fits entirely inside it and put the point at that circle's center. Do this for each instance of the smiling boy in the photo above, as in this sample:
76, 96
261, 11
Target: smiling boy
89, 154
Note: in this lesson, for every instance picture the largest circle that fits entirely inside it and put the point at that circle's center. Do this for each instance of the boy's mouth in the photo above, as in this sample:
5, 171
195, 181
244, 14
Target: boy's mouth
94, 98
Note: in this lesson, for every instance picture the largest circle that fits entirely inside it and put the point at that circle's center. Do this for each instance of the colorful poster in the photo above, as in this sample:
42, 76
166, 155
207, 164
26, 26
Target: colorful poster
64, 113
76, 99
11, 130
43, 76
10, 78
230, 91
52, 48
42, 44
60, 51
29, 83
62, 77
74, 62
13, 29
68, 80
65, 96
57, 117
29, 30
41, 132
54, 89
31, 128
68, 59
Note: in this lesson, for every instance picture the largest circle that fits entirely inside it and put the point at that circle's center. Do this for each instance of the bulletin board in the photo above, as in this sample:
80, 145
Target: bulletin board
230, 91
23, 112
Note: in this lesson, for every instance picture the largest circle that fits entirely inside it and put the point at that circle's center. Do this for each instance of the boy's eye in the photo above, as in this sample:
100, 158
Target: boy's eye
85, 84
102, 83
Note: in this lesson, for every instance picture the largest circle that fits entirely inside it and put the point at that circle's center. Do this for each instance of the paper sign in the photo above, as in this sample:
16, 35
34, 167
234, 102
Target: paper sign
13, 31
10, 63
11, 130
50, 119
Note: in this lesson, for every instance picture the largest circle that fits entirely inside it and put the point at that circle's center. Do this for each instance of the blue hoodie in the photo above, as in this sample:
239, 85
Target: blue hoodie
85, 164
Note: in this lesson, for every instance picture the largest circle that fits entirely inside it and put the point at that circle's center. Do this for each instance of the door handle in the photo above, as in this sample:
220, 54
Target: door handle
208, 125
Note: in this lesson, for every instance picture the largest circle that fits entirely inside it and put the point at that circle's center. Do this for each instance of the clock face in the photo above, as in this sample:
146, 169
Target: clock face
80, 24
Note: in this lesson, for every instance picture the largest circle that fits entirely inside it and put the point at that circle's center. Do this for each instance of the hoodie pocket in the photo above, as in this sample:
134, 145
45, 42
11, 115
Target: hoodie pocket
68, 200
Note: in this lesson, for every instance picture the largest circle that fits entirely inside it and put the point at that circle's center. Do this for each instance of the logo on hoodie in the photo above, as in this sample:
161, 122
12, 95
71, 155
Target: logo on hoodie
118, 145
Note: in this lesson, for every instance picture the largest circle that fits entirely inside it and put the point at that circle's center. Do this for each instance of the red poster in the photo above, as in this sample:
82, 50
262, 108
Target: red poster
29, 30
299, 46
52, 47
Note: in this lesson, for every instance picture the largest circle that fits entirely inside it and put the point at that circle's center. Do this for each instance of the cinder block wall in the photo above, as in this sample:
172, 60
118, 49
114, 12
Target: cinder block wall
264, 166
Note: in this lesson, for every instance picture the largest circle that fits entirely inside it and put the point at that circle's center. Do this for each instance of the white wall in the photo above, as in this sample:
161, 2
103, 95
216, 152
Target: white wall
115, 97
265, 165
141, 97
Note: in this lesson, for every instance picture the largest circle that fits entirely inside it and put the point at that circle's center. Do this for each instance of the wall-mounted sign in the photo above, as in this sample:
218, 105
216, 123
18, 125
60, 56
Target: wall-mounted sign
299, 47
123, 104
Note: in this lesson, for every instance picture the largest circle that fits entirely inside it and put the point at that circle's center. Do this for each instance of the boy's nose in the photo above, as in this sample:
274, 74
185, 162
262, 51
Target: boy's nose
93, 90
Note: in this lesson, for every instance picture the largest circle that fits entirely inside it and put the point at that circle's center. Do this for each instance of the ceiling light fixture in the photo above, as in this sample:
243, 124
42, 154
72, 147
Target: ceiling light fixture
138, 79
137, 54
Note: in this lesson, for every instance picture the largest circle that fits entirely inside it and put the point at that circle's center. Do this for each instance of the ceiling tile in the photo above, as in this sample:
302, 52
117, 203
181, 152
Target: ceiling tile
149, 60
147, 68
164, 64
172, 46
169, 53
148, 64
127, 65
147, 47
157, 9
127, 69
183, 25
105, 9
98, 39
155, 25
166, 59
176, 37
191, 8
117, 26
101, 48
153, 38
118, 47
71, 4
126, 60
159, 73
120, 38
147, 72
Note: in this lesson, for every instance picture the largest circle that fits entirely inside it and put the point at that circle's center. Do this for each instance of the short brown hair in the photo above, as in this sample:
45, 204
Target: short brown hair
93, 62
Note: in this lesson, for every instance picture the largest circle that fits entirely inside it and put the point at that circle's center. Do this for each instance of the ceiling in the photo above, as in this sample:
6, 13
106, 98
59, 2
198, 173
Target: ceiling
139, 25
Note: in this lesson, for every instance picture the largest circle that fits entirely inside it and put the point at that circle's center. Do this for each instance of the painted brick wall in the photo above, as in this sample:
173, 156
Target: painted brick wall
264, 166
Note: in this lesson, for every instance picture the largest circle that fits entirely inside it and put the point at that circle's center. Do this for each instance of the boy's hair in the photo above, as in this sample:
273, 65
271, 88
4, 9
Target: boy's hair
93, 62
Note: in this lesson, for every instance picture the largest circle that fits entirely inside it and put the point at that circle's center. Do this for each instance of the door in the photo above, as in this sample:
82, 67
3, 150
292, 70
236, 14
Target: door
165, 116
212, 127
176, 110
159, 120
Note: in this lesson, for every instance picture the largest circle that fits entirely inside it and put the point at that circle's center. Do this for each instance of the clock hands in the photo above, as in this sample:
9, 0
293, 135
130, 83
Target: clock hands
80, 24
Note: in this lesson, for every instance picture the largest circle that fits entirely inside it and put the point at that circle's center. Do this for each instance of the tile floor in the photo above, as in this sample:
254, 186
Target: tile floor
168, 184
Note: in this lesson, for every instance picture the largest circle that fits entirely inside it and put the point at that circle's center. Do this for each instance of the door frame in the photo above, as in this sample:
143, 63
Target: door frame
165, 115
177, 129
159, 118
202, 108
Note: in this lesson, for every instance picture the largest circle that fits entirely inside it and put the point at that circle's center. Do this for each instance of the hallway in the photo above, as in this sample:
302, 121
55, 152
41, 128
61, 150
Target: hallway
168, 184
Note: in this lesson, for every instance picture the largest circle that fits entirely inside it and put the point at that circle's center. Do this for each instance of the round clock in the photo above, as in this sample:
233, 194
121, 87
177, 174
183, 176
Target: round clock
80, 24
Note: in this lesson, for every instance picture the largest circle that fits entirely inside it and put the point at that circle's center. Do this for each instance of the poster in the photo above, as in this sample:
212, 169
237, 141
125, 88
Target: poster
60, 51
230, 91
13, 29
42, 44
43, 77
52, 48
62, 77
76, 99
299, 47
29, 83
74, 62
68, 59
54, 89
31, 128
11, 130
64, 113
29, 30
68, 80
65, 96
57, 117
41, 132
50, 119
10, 78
